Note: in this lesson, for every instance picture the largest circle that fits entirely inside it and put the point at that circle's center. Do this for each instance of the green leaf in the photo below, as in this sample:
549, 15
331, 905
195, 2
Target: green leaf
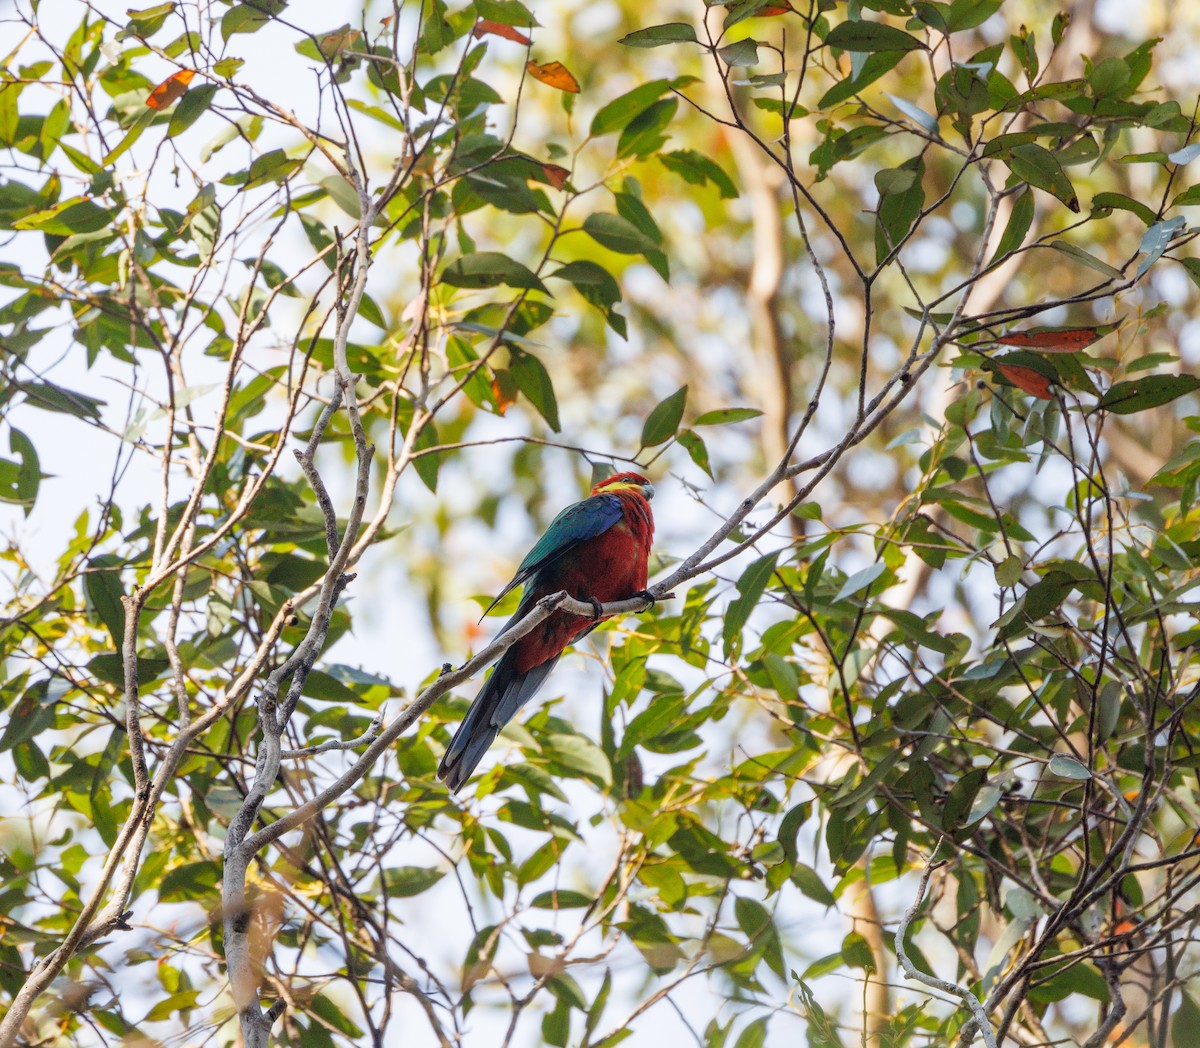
191, 107
754, 1035
249, 17
663, 421
1108, 201
1067, 767
659, 718
598, 286
750, 588
77, 215
143, 121
110, 669
428, 465
856, 952
556, 1025
871, 37
1039, 167
961, 798
860, 580
968, 14
147, 21
1010, 570
643, 135
1019, 221
658, 35
175, 1004
103, 588
534, 381
618, 234
741, 53
1108, 703
916, 114
407, 881
809, 882
694, 445
52, 397
725, 416
1157, 239
698, 169
507, 12
490, 269
1141, 394
24, 477
270, 168
874, 67
901, 197
1088, 259
755, 921
189, 882
328, 47
581, 754
616, 114
1185, 1023
561, 900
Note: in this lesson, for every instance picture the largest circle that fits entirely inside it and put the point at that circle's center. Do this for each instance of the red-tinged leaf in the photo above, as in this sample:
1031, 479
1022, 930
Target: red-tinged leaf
1057, 340
774, 9
171, 90
554, 74
486, 25
504, 390
1032, 382
555, 175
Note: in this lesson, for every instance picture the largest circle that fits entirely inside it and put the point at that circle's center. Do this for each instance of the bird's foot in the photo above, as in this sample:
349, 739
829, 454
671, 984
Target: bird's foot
597, 607
647, 595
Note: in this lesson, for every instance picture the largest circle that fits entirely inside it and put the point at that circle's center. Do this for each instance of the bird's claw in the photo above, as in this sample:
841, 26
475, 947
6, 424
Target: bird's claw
647, 595
597, 608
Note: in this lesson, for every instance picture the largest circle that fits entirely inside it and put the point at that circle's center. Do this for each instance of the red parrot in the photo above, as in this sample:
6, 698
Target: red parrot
597, 551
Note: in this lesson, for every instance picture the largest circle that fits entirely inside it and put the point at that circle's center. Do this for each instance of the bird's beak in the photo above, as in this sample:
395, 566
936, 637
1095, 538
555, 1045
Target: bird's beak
648, 490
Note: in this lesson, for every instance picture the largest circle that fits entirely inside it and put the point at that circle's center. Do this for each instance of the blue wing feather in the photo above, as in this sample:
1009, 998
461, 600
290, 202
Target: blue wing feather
575, 524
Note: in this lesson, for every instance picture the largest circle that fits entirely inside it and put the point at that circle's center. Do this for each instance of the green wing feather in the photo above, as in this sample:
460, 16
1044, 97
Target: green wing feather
575, 524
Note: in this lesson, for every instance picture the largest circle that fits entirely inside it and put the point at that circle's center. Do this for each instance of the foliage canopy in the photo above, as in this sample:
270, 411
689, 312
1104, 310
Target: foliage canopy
896, 295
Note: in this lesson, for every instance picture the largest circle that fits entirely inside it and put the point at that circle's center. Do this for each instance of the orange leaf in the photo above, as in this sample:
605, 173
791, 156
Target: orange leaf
504, 390
774, 9
171, 90
486, 25
555, 175
1033, 382
1057, 340
555, 74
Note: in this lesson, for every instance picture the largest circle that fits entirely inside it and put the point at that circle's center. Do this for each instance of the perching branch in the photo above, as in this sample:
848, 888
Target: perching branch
912, 972
274, 718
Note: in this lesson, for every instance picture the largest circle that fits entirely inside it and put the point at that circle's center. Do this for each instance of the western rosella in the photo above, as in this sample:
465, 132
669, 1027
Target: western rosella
597, 551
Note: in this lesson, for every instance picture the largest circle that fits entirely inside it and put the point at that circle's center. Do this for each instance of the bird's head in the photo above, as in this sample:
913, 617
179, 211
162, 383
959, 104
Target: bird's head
625, 482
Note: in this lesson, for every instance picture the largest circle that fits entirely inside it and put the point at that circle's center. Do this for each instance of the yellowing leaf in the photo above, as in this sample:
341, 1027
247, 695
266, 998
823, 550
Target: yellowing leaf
171, 90
555, 74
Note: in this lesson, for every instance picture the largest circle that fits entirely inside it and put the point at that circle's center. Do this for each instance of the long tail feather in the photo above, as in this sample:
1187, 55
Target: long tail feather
505, 692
